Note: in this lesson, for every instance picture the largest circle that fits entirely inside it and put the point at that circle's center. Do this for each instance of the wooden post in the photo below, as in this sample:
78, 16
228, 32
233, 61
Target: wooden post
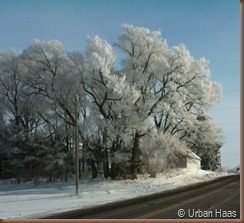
76, 146
220, 161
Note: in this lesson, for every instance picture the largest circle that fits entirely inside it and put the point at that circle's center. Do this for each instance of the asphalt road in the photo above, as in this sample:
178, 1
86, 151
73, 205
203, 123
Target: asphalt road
219, 198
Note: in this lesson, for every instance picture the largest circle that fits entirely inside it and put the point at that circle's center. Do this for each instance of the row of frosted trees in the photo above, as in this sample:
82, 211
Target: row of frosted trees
140, 118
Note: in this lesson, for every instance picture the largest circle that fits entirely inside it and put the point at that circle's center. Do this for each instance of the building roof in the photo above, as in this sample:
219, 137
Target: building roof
192, 155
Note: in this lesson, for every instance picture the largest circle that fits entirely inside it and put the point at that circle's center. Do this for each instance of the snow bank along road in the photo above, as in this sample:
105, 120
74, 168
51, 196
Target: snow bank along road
27, 200
219, 198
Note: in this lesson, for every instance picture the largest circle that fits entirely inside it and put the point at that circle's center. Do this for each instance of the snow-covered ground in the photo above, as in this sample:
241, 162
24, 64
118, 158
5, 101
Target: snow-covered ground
27, 200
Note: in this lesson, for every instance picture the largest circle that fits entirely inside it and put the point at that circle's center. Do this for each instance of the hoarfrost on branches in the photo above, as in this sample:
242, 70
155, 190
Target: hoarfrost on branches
129, 121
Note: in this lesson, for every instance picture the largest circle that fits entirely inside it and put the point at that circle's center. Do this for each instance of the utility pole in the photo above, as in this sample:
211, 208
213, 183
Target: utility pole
220, 161
76, 145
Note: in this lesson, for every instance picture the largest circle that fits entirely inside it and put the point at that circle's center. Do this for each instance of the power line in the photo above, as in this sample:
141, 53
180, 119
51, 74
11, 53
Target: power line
225, 108
237, 124
234, 154
231, 91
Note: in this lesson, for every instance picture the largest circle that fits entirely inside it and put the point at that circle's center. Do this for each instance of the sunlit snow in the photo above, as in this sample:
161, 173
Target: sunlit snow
27, 200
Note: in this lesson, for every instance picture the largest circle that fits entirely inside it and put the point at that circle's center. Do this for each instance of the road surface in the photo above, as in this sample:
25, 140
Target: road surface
219, 198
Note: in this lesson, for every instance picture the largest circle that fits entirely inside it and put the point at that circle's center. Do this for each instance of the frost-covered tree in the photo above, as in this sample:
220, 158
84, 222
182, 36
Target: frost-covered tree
18, 110
38, 89
174, 87
13, 97
161, 151
113, 99
132, 120
205, 138
57, 75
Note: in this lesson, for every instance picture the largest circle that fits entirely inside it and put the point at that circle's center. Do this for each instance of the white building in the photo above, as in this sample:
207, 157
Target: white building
193, 161
189, 160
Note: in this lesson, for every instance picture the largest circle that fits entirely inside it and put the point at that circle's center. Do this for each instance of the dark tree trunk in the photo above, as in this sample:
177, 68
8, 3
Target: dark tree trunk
113, 172
105, 163
79, 168
135, 159
105, 155
93, 168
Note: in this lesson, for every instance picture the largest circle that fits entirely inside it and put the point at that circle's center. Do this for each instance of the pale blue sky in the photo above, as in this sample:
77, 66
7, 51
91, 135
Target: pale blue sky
208, 28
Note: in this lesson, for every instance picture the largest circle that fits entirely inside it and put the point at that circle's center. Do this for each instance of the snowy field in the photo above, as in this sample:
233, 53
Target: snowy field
27, 200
